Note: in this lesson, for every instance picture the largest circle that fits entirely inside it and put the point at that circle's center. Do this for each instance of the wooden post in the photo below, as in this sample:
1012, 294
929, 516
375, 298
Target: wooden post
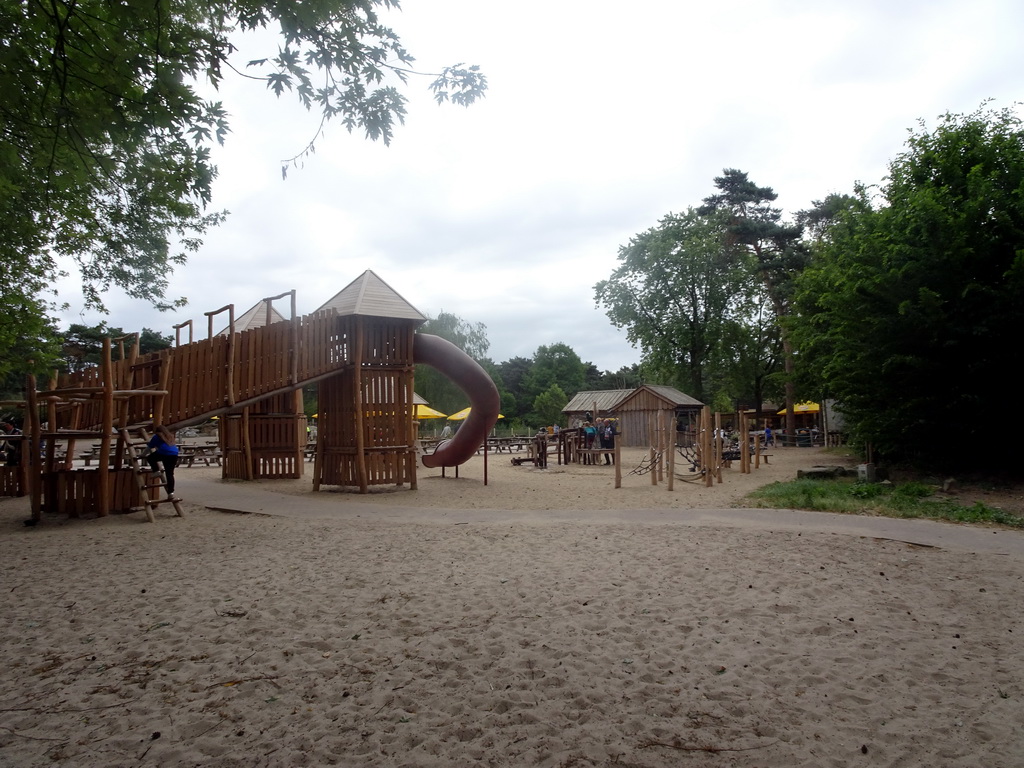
718, 447
706, 459
103, 492
247, 445
670, 438
29, 453
318, 461
293, 351
51, 424
231, 385
160, 406
229, 395
744, 445
177, 332
301, 434
360, 415
618, 464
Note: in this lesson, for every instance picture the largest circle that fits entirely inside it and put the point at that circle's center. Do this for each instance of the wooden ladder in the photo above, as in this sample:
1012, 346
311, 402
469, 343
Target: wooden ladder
144, 475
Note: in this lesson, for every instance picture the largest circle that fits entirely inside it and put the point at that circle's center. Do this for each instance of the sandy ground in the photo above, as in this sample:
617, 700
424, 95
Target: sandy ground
545, 619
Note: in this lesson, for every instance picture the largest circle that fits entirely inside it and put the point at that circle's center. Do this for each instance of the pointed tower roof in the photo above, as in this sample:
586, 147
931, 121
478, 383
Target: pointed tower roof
369, 295
254, 317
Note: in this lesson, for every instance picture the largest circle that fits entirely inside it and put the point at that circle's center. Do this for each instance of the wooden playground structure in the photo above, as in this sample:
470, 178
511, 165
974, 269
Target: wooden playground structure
704, 449
359, 352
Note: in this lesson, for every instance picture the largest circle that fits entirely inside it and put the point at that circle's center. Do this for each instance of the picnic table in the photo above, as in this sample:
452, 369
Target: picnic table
93, 454
507, 444
188, 455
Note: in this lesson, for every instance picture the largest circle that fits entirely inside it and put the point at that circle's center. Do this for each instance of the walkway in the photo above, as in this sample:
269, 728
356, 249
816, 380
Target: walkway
256, 498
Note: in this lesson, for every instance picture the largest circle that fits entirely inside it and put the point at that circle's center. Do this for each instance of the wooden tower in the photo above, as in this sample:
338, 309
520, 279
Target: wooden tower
365, 433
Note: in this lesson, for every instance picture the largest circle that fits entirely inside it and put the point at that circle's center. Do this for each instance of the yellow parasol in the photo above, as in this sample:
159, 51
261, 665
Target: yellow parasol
423, 411
807, 407
464, 414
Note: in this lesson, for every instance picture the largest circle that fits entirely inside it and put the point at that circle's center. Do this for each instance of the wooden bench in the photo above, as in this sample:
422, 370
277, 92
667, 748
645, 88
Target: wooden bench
89, 457
594, 453
518, 461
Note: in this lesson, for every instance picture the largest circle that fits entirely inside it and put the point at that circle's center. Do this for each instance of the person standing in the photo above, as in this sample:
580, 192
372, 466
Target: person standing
163, 451
589, 435
608, 440
12, 448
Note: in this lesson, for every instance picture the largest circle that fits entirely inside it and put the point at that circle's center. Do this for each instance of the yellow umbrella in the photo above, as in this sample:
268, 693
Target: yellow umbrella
423, 411
464, 414
807, 407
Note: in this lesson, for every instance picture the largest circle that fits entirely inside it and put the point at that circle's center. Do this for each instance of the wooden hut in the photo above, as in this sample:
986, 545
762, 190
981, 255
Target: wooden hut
604, 401
645, 407
635, 409
365, 432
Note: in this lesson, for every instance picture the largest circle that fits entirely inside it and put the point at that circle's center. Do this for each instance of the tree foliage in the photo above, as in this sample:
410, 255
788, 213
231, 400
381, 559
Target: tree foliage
911, 314
694, 304
627, 377
105, 139
29, 339
548, 405
554, 365
756, 227
471, 338
82, 345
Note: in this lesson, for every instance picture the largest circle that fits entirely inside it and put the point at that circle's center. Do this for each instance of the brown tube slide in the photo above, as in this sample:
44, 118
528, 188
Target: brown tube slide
468, 376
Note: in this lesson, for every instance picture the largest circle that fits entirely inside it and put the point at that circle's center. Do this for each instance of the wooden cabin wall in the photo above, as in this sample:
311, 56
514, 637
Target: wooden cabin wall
635, 414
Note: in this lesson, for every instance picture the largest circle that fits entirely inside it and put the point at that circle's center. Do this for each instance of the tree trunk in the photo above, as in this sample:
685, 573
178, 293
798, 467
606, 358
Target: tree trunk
787, 350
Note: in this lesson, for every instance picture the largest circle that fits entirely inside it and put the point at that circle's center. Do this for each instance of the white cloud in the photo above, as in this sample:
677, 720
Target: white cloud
600, 119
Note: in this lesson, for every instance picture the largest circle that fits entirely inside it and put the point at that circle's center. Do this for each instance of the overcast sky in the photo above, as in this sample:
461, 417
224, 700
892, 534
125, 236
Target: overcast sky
600, 119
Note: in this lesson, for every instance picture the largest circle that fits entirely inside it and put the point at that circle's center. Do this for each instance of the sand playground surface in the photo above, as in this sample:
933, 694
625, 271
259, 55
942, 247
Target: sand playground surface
545, 619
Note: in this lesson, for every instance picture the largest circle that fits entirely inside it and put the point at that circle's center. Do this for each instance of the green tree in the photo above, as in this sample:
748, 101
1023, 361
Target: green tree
679, 293
556, 364
911, 313
82, 345
627, 377
548, 405
29, 342
471, 338
105, 138
514, 373
756, 227
751, 371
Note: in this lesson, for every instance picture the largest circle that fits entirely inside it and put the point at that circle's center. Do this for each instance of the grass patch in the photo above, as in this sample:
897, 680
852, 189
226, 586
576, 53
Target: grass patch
847, 496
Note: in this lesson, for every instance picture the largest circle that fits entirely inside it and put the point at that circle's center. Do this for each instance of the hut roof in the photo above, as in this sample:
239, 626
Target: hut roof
670, 395
369, 295
254, 317
606, 400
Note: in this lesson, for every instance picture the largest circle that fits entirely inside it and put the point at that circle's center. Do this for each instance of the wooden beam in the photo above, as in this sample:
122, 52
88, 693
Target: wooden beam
103, 493
360, 416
